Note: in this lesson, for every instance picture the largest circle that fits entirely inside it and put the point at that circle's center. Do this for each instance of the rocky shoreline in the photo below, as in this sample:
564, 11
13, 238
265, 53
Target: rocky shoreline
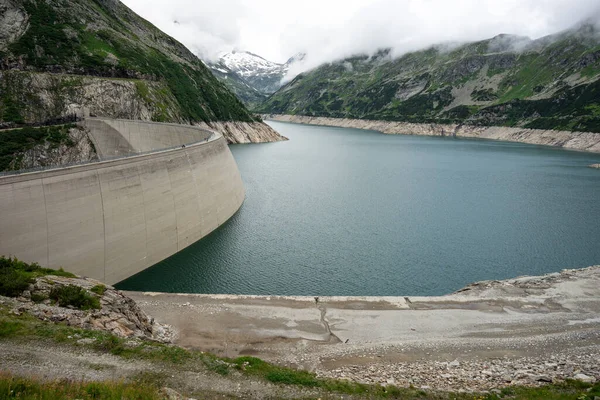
526, 331
582, 141
477, 375
493, 334
245, 132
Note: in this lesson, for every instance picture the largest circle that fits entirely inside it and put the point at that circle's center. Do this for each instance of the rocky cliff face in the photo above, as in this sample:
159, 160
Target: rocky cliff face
585, 141
60, 57
245, 132
41, 97
78, 148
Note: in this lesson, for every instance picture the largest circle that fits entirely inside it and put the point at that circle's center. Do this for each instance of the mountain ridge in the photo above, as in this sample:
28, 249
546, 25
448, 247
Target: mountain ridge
250, 76
547, 83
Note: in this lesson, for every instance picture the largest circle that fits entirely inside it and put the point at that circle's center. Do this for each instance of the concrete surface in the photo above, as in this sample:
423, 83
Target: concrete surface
112, 219
119, 137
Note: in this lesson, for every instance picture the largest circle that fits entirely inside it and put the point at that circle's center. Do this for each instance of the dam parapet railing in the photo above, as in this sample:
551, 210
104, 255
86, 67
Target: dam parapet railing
209, 136
163, 190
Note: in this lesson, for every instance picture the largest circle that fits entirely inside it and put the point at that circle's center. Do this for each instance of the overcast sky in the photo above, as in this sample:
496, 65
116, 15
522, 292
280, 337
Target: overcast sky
330, 29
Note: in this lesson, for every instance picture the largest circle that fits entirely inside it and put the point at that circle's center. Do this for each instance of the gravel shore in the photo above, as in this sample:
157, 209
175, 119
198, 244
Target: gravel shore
527, 331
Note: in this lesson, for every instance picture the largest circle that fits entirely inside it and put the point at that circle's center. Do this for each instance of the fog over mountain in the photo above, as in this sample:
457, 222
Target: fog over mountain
334, 29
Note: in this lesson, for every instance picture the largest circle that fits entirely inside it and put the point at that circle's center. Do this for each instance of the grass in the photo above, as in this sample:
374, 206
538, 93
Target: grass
99, 289
12, 387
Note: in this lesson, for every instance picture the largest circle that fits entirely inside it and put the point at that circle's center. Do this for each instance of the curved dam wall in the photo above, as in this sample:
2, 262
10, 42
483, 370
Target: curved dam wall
112, 219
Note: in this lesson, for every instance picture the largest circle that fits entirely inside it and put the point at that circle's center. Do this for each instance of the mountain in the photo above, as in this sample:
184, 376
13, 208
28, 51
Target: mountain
265, 76
59, 57
251, 77
549, 83
244, 90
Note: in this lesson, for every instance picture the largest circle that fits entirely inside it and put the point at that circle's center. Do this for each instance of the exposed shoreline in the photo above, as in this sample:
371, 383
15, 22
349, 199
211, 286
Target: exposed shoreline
244, 132
582, 141
527, 330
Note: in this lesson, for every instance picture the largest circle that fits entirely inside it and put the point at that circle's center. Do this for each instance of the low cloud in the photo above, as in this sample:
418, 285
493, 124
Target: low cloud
331, 30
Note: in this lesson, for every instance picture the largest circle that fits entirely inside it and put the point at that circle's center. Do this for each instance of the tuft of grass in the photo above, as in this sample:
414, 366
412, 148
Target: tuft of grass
99, 289
75, 296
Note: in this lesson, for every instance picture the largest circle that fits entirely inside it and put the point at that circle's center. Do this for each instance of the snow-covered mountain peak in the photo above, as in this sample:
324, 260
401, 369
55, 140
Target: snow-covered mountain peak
246, 73
248, 64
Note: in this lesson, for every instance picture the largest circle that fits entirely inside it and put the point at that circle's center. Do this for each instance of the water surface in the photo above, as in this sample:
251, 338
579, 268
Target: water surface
338, 211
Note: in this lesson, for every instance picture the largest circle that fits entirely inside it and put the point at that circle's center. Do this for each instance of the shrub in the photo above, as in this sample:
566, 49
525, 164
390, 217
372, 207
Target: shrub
38, 297
16, 275
74, 296
13, 282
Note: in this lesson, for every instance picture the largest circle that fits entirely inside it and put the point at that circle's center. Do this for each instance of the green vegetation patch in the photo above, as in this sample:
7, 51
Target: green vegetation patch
99, 289
16, 141
12, 387
16, 276
74, 296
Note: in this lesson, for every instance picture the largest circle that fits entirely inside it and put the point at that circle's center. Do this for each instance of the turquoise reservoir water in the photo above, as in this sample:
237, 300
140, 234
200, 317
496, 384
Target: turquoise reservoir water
347, 212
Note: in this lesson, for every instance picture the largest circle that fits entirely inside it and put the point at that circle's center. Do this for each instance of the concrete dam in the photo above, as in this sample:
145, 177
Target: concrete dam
111, 219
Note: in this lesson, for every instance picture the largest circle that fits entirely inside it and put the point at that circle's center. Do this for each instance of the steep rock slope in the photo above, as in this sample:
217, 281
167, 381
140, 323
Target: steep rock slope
59, 57
550, 83
51, 146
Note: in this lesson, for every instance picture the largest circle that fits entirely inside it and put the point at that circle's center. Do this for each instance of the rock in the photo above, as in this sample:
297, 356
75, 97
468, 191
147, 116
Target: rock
13, 24
584, 378
171, 394
454, 364
507, 378
541, 378
118, 315
245, 132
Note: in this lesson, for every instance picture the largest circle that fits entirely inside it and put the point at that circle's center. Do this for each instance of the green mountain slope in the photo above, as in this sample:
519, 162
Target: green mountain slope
58, 55
550, 83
